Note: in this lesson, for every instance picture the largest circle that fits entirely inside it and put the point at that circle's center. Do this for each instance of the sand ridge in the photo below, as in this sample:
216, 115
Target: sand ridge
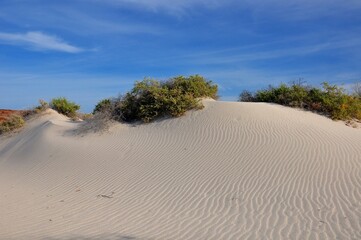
229, 171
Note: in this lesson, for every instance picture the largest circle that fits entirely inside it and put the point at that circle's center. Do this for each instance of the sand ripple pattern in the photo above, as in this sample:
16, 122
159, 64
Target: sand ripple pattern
230, 171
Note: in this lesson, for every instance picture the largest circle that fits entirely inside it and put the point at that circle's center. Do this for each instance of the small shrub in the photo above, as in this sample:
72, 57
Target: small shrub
84, 116
195, 85
116, 108
151, 99
177, 102
11, 123
266, 95
43, 105
144, 102
97, 123
246, 96
330, 99
65, 107
103, 106
297, 95
357, 89
314, 99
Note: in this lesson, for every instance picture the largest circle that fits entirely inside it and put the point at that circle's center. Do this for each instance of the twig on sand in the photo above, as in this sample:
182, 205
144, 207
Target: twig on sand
106, 196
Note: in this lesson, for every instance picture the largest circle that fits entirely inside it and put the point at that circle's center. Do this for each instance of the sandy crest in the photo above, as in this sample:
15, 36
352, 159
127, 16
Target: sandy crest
229, 171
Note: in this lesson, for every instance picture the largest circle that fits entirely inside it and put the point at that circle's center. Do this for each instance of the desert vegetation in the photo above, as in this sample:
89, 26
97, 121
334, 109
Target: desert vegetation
151, 99
148, 100
330, 100
14, 119
356, 88
43, 105
64, 106
10, 120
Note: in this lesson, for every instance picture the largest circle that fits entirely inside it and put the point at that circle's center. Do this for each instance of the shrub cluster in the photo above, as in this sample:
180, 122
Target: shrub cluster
150, 99
63, 106
12, 122
43, 105
330, 99
194, 85
104, 105
357, 89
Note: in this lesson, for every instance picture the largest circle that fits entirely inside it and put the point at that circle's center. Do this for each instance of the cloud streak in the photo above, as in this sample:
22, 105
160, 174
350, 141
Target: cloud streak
80, 18
175, 6
38, 41
296, 9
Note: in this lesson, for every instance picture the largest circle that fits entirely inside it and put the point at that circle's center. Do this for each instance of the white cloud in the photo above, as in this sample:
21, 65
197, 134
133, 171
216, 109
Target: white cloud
302, 9
293, 10
79, 18
174, 6
38, 41
264, 51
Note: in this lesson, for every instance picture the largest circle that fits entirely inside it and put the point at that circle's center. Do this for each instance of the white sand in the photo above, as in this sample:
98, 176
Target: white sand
230, 171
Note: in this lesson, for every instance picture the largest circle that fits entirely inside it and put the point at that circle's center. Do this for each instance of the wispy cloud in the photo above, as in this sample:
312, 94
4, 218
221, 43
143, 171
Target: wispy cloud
38, 41
261, 52
298, 9
80, 18
171, 7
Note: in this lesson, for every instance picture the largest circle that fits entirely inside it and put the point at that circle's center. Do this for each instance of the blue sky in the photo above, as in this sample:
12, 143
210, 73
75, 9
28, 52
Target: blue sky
88, 50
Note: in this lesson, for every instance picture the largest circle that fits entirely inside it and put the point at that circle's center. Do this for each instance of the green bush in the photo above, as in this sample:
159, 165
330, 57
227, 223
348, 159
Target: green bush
11, 123
65, 107
43, 105
297, 95
143, 102
266, 95
151, 99
103, 106
195, 85
246, 96
330, 99
314, 99
178, 102
357, 89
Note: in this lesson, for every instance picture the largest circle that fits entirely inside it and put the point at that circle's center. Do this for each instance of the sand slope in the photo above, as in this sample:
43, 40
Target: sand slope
230, 171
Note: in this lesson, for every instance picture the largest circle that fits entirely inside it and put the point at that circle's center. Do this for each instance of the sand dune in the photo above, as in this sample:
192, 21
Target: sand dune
230, 171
